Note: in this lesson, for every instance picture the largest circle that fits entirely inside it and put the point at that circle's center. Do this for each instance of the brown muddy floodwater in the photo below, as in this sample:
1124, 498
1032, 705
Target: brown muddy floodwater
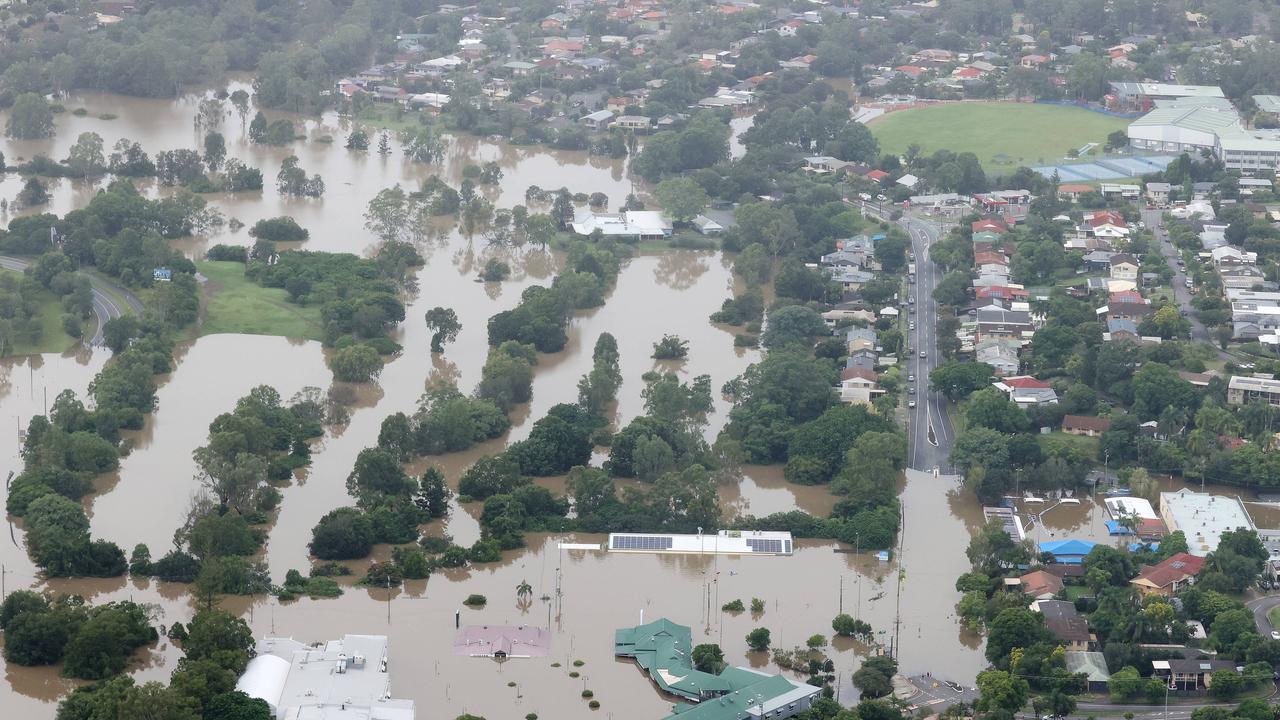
669, 292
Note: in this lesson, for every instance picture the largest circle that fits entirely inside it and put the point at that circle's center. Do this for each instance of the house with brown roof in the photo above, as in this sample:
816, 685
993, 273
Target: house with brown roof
859, 385
1167, 577
1040, 585
1067, 625
1085, 425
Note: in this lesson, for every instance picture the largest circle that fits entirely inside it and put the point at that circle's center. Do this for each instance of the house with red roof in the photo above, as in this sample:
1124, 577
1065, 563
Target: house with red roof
989, 225
966, 73
1026, 390
1001, 292
876, 175
1169, 576
911, 71
859, 385
989, 258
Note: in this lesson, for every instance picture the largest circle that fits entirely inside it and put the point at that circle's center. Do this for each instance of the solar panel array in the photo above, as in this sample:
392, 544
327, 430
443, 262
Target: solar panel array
765, 545
641, 542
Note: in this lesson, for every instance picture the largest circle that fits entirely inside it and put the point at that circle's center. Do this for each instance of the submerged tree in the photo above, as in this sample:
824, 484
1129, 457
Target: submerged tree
444, 323
358, 140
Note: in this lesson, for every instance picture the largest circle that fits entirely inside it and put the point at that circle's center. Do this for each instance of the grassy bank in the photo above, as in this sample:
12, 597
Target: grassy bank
52, 338
1020, 133
238, 305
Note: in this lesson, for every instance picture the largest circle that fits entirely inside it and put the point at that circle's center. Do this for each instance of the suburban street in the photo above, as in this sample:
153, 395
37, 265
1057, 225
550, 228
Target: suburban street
929, 428
1181, 293
105, 306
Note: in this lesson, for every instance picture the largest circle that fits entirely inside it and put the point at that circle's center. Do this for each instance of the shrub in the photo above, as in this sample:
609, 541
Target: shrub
474, 600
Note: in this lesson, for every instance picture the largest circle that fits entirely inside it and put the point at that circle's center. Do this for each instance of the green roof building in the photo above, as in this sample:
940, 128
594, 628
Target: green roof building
664, 649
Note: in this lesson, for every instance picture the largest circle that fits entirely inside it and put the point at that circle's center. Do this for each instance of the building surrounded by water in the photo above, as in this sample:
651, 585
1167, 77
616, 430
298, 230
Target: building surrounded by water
725, 542
664, 649
338, 680
1203, 518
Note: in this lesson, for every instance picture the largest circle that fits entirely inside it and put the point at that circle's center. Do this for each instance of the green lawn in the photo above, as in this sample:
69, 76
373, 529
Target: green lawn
1051, 441
1027, 134
1274, 616
238, 305
52, 339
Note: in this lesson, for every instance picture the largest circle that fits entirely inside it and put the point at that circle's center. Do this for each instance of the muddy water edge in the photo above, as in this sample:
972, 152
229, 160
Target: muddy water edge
673, 291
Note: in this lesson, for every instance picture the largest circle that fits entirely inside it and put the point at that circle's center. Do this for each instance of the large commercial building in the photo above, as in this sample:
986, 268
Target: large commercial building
1206, 124
340, 679
1145, 95
664, 650
1203, 518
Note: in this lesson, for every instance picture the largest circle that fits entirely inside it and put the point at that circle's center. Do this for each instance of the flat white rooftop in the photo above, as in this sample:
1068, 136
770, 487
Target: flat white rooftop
339, 680
725, 542
1120, 507
1203, 518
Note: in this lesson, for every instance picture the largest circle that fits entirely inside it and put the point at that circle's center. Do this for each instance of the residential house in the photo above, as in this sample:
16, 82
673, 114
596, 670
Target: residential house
1040, 585
1229, 255
1124, 267
995, 225
1158, 192
639, 224
1168, 577
1027, 391
865, 359
1073, 191
999, 356
1245, 389
598, 120
858, 386
995, 321
1066, 624
1252, 320
859, 338
850, 279
1189, 674
636, 123
1085, 425
1098, 261
823, 164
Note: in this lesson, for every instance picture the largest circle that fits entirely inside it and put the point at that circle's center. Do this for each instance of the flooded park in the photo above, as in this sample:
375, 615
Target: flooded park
669, 291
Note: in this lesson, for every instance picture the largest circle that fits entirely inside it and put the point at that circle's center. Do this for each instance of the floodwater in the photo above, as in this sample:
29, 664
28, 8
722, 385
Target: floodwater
659, 293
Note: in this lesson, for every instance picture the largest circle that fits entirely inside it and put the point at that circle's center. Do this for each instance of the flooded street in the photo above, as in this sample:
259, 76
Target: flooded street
668, 292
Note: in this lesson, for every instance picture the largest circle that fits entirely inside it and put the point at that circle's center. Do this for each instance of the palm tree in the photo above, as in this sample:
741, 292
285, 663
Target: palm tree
524, 590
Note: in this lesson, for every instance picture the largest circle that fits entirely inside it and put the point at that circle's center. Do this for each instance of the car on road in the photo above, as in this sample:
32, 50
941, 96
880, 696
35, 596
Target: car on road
911, 403
1275, 634
923, 354
911, 378
911, 390
1188, 282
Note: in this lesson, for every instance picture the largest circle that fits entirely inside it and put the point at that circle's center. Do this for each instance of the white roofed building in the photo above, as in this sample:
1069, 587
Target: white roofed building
338, 680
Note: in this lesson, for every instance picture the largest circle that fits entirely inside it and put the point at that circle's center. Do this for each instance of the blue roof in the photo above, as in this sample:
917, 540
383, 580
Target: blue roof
1115, 528
1067, 547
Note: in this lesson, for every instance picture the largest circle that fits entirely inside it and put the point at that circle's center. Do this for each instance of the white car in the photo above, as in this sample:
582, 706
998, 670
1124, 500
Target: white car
911, 403
923, 354
1275, 634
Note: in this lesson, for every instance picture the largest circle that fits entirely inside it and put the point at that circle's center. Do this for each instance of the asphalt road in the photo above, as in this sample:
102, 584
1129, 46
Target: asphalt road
105, 305
929, 430
1181, 293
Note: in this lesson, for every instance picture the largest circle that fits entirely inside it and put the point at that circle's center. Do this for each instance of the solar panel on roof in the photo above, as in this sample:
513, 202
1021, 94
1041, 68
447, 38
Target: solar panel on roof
641, 542
764, 545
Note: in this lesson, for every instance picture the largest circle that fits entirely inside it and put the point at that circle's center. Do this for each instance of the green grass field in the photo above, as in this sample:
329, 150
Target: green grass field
1027, 134
52, 338
238, 305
